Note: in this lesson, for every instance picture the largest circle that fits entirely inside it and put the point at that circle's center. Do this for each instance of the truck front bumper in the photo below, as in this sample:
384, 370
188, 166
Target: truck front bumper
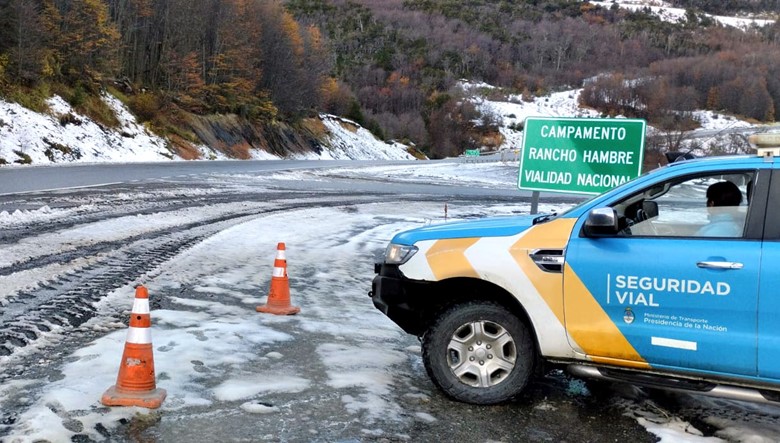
399, 298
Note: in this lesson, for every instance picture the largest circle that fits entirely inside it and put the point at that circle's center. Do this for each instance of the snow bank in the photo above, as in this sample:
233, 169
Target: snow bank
64, 135
350, 141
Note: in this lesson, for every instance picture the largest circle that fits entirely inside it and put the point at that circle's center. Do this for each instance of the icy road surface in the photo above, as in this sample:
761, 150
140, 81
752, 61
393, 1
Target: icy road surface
338, 371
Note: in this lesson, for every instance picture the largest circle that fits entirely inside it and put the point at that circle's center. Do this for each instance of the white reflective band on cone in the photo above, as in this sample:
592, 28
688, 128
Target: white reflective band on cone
278, 272
140, 306
281, 254
139, 336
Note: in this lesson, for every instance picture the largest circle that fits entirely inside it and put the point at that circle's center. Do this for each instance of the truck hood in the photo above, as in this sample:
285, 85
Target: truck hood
486, 227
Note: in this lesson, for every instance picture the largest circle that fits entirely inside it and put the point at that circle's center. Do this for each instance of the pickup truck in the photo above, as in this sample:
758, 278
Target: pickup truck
633, 285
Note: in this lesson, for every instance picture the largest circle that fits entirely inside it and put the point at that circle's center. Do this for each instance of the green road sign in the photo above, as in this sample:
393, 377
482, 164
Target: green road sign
580, 155
472, 152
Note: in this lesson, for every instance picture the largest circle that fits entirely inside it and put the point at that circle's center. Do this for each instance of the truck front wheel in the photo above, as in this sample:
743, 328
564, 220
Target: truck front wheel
479, 353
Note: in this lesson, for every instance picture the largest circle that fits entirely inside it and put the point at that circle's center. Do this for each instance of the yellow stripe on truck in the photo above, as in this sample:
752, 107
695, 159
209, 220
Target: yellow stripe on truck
589, 328
447, 258
552, 235
592, 329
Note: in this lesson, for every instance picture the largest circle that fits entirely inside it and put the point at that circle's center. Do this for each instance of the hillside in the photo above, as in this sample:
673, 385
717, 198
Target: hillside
240, 77
743, 15
62, 135
403, 59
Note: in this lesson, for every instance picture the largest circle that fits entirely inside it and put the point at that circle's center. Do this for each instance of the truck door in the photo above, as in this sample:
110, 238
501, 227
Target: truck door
769, 295
665, 291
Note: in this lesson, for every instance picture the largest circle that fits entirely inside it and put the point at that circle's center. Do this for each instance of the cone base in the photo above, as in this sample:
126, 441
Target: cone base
278, 310
145, 399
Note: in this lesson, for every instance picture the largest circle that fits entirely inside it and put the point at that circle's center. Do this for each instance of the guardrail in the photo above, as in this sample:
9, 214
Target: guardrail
505, 155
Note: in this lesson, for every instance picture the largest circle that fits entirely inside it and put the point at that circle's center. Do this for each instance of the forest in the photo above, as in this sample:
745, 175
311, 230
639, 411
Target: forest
390, 65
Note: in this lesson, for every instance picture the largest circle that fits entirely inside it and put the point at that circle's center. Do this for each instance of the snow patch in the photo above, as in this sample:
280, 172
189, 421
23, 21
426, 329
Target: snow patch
350, 141
666, 12
250, 385
254, 407
64, 136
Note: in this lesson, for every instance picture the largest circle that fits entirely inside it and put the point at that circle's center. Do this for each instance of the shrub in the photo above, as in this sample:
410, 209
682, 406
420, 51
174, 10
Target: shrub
78, 97
145, 106
24, 159
57, 151
98, 110
69, 118
517, 126
33, 99
354, 112
374, 127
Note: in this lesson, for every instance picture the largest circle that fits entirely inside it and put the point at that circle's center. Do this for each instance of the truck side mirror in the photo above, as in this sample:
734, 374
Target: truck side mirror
601, 222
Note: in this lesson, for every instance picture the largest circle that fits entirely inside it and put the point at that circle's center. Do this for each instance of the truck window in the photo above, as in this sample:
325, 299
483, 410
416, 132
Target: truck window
698, 206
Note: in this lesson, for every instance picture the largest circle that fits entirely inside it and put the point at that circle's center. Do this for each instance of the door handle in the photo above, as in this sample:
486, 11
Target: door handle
720, 265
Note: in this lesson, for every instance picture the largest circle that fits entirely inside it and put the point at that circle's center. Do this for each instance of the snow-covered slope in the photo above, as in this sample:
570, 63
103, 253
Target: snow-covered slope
715, 129
668, 13
350, 141
50, 138
64, 136
515, 110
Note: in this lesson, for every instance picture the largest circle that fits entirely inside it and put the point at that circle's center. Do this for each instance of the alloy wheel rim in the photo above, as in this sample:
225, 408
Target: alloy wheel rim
481, 353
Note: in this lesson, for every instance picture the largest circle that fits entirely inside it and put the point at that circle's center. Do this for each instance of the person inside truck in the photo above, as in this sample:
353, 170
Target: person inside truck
723, 199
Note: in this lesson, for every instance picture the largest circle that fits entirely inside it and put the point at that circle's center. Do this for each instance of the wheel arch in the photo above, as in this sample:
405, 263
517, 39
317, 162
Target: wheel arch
447, 293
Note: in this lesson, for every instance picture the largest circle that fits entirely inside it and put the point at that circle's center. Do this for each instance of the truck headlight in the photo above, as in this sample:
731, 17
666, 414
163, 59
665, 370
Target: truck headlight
399, 254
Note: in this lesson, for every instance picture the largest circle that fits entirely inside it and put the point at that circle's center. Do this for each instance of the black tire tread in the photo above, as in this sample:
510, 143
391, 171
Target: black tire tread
440, 332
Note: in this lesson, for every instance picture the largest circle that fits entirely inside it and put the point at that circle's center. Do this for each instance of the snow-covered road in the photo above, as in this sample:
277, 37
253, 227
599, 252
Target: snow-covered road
338, 371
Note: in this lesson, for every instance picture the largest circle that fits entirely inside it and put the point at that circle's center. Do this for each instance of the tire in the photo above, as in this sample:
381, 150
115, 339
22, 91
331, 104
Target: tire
479, 353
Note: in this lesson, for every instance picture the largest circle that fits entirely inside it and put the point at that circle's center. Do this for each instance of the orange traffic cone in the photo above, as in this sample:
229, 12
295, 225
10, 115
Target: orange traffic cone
135, 384
279, 296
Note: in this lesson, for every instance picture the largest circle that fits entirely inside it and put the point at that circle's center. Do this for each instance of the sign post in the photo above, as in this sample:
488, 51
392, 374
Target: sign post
580, 155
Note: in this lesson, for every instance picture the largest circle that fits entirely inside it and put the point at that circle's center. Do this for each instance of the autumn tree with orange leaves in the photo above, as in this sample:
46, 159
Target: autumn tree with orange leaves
248, 57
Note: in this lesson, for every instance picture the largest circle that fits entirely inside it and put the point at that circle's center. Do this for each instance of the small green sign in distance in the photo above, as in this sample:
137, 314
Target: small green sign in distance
580, 155
472, 152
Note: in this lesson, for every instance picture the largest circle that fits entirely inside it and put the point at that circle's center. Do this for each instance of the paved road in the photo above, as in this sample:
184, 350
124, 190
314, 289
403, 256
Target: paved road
16, 179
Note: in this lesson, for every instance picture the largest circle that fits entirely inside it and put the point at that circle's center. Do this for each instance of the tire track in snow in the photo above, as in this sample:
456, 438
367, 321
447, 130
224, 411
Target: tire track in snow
66, 300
